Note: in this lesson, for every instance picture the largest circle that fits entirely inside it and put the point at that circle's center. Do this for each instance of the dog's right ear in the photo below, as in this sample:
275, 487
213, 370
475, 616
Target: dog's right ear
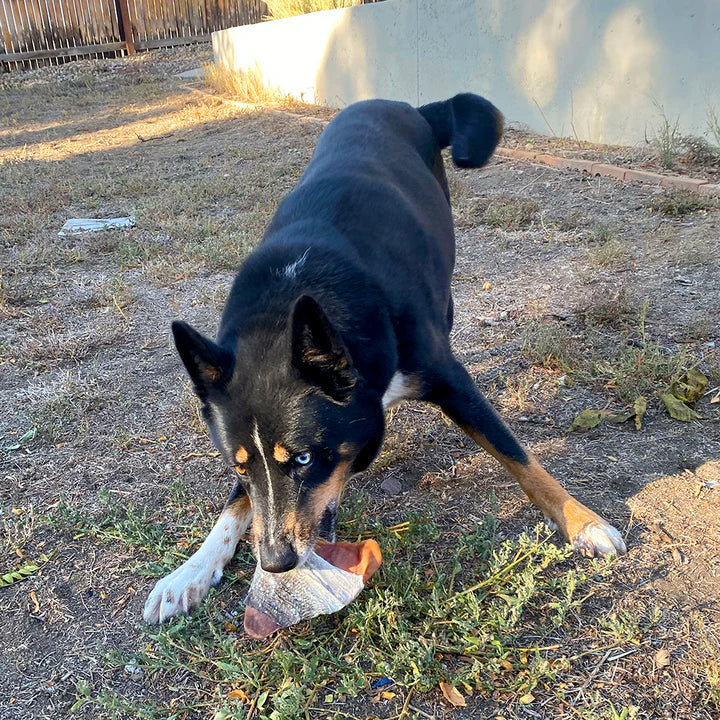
207, 363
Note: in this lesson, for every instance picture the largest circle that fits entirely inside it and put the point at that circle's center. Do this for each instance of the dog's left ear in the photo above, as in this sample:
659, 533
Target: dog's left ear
319, 353
208, 364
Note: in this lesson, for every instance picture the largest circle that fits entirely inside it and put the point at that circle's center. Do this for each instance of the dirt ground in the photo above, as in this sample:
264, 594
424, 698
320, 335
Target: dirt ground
570, 293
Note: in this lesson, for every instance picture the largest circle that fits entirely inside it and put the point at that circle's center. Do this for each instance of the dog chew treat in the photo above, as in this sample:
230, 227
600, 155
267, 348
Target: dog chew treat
331, 578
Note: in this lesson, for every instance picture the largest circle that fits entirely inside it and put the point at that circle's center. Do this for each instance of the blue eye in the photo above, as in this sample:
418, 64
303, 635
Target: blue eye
303, 458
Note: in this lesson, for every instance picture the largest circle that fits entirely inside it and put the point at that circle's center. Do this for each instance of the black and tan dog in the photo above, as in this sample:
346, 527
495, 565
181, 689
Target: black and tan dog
343, 310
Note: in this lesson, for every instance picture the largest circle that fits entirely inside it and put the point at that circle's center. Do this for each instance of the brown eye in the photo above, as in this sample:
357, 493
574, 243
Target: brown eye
240, 470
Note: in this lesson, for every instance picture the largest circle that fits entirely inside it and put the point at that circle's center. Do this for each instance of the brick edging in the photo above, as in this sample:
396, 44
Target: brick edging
617, 172
586, 166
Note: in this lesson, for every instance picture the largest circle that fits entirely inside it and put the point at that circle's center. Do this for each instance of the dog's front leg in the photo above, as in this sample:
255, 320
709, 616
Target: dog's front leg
183, 589
455, 392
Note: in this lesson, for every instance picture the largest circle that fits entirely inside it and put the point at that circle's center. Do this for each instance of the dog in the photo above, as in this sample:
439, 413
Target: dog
343, 310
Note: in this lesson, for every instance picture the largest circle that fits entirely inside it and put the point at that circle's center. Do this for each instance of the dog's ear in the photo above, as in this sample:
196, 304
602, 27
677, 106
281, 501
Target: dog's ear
207, 364
319, 353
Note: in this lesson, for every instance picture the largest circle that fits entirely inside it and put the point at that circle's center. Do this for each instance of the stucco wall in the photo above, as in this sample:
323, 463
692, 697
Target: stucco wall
598, 69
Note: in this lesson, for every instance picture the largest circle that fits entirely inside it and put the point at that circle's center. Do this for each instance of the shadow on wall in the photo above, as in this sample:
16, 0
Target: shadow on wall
595, 70
372, 52
563, 67
590, 69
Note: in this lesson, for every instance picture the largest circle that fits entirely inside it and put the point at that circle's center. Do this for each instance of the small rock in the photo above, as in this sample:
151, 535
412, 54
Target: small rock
194, 74
391, 486
132, 669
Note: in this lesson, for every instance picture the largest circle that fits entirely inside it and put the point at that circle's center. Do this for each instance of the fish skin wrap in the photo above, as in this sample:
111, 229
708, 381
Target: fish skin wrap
330, 579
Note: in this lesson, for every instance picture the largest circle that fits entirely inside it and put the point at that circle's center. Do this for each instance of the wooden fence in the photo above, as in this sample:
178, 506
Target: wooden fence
41, 31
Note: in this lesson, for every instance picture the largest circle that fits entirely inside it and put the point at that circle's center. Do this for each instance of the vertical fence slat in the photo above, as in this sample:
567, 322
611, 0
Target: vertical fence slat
50, 31
124, 22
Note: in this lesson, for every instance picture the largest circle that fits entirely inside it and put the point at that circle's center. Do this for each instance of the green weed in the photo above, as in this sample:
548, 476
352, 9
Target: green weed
473, 614
682, 202
511, 213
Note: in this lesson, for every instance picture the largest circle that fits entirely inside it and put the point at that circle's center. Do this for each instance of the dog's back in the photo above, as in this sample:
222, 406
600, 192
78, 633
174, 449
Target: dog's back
376, 179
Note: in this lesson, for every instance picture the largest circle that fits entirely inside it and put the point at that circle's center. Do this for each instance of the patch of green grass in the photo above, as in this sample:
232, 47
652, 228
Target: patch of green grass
573, 220
551, 346
16, 530
640, 370
134, 253
481, 613
640, 367
511, 213
683, 202
168, 537
609, 253
636, 366
614, 309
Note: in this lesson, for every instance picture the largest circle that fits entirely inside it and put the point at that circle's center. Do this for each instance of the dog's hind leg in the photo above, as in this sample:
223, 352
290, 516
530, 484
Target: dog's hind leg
184, 588
455, 392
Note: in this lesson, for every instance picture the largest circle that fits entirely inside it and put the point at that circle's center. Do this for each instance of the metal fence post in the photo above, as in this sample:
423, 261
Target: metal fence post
126, 28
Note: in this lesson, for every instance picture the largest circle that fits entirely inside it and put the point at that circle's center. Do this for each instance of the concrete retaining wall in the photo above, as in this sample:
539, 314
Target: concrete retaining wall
597, 69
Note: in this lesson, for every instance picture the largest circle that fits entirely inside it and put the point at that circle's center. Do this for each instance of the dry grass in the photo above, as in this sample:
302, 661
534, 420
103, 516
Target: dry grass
278, 9
613, 307
683, 202
245, 85
511, 213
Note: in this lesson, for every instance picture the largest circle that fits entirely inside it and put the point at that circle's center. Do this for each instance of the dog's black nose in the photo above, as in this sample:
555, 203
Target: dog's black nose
278, 558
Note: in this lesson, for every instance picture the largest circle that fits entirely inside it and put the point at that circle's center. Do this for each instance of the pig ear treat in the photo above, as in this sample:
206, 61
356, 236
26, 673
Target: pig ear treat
330, 579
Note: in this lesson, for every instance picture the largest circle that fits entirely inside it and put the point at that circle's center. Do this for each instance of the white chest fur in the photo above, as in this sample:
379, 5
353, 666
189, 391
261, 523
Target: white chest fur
401, 387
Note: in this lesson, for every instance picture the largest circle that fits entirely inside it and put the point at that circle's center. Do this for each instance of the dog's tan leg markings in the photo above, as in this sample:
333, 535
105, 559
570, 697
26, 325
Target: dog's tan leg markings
241, 456
456, 393
183, 589
586, 530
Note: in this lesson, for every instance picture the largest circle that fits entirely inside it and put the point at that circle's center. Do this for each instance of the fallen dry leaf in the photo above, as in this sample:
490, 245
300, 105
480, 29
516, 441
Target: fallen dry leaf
239, 694
662, 658
526, 699
678, 409
690, 387
640, 408
586, 420
452, 694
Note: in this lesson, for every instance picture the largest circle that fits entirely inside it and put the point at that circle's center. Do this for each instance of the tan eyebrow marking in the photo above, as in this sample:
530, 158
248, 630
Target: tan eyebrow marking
241, 456
280, 453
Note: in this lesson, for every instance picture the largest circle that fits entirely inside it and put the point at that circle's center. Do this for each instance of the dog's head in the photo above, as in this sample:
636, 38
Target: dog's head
288, 411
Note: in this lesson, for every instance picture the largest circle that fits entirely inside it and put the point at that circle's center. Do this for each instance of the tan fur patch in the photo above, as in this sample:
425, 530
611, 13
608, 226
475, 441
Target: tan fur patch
210, 374
347, 450
330, 490
239, 508
257, 527
280, 453
290, 522
241, 456
570, 515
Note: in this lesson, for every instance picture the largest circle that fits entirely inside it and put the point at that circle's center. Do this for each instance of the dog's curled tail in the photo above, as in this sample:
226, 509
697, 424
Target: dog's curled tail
470, 124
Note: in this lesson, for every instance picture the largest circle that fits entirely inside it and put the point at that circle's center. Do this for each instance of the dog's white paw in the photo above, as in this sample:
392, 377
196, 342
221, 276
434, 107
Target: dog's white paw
182, 590
598, 538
